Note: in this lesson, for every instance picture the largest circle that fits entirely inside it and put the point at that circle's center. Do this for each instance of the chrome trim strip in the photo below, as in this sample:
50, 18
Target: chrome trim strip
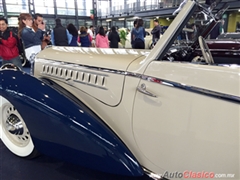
198, 90
153, 175
77, 68
193, 89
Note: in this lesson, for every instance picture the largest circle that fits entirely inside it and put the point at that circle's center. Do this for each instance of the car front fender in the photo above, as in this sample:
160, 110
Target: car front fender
61, 126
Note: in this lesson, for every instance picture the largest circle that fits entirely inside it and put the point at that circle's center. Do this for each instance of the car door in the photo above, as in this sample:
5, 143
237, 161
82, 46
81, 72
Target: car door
185, 117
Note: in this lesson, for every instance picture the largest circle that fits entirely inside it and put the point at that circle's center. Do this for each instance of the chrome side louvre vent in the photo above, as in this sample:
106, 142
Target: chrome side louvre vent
74, 74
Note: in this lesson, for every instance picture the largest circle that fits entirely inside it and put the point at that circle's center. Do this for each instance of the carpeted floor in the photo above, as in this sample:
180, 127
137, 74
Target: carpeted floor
47, 168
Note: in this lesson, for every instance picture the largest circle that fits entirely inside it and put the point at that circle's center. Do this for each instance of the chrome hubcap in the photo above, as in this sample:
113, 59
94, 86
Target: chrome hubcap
14, 126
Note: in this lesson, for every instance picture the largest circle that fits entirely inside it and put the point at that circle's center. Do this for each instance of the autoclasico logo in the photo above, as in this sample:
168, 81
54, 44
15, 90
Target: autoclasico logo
192, 174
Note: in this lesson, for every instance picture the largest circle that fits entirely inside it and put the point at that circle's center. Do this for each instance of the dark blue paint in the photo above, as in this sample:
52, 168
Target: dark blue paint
65, 128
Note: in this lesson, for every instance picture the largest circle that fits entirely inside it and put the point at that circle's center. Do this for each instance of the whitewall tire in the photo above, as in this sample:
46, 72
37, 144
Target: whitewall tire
14, 132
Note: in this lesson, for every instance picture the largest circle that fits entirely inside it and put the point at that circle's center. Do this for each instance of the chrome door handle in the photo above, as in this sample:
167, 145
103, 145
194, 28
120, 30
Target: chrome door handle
143, 89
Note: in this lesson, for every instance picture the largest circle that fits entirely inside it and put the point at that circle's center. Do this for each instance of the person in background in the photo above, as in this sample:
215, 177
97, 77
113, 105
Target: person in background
60, 36
93, 29
73, 31
101, 39
84, 38
114, 38
97, 31
105, 30
192, 35
9, 43
139, 35
90, 31
108, 31
30, 38
221, 28
132, 38
38, 19
156, 31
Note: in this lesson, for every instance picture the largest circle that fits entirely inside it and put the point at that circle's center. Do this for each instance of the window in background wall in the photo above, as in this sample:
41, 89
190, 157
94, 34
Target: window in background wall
118, 24
50, 23
117, 6
84, 7
15, 7
130, 5
13, 21
88, 23
147, 24
89, 7
68, 21
81, 23
1, 9
129, 25
65, 7
103, 8
44, 6
81, 8
104, 23
150, 4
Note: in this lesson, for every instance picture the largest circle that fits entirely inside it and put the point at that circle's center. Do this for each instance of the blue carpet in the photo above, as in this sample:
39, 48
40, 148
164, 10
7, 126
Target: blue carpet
47, 168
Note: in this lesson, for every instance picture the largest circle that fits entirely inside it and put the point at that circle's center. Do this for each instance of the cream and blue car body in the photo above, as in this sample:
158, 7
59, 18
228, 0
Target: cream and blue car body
125, 111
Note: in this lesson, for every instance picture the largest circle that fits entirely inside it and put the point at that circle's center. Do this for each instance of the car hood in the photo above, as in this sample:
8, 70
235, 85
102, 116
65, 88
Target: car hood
99, 73
117, 59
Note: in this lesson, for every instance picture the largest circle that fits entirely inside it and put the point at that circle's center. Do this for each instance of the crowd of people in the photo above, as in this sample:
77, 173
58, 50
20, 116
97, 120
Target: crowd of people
32, 37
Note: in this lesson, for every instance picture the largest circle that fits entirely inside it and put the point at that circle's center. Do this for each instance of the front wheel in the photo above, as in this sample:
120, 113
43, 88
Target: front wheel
14, 132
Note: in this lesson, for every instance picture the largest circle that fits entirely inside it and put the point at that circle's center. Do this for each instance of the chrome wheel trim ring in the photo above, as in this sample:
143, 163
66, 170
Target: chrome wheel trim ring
14, 127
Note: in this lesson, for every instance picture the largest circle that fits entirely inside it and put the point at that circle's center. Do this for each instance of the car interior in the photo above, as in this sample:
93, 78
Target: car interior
192, 43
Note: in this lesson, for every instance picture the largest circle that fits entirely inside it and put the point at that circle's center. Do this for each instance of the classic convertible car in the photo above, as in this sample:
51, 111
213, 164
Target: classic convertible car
162, 112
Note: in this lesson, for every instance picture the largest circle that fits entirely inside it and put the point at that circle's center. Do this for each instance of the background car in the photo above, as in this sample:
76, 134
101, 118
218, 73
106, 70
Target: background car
224, 49
229, 36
